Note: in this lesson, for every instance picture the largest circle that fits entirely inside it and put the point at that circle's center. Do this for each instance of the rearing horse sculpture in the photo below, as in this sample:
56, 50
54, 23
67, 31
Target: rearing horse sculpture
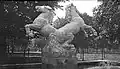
42, 23
72, 14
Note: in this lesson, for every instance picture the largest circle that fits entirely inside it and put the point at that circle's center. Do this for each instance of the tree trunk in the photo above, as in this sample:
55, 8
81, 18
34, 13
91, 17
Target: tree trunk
3, 54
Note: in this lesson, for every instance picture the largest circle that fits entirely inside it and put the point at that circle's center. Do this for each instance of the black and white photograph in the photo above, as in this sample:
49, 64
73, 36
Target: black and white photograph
60, 34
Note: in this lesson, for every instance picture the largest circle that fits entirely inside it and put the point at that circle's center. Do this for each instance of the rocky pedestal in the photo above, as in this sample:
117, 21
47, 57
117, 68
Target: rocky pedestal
59, 55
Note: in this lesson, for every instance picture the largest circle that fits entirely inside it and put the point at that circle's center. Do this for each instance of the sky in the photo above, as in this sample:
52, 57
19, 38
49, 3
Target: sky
82, 5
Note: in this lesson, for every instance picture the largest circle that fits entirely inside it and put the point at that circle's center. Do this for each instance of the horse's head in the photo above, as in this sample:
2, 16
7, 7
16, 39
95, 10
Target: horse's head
43, 8
48, 11
70, 7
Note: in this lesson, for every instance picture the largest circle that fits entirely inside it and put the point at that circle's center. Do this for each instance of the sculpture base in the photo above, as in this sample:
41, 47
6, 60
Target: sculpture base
60, 63
59, 66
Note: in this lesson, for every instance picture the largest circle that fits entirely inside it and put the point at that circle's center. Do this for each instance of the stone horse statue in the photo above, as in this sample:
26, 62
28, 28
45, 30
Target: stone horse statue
42, 23
58, 47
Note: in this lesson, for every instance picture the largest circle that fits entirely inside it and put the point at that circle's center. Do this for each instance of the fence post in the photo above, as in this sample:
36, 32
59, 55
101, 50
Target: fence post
24, 53
28, 52
83, 55
102, 54
12, 51
8, 49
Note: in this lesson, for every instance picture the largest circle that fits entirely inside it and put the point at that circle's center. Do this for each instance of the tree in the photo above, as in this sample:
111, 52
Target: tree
107, 21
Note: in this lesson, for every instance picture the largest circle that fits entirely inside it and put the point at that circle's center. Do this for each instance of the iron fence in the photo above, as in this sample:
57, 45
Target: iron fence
81, 54
98, 54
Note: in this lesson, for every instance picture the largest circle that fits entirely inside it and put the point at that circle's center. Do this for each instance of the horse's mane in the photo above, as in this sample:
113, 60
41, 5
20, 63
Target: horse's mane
79, 13
76, 10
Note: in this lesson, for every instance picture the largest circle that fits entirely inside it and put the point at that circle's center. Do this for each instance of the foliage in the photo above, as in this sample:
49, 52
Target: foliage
107, 21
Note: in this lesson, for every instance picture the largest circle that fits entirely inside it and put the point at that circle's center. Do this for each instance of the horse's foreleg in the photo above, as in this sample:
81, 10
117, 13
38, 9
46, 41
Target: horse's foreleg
35, 27
92, 29
28, 28
85, 33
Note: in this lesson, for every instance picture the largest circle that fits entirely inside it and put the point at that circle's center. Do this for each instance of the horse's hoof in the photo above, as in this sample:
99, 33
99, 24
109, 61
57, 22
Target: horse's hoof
26, 26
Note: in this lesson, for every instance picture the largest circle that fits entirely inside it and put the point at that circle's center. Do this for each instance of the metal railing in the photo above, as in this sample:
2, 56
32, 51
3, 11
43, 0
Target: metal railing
24, 53
98, 54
